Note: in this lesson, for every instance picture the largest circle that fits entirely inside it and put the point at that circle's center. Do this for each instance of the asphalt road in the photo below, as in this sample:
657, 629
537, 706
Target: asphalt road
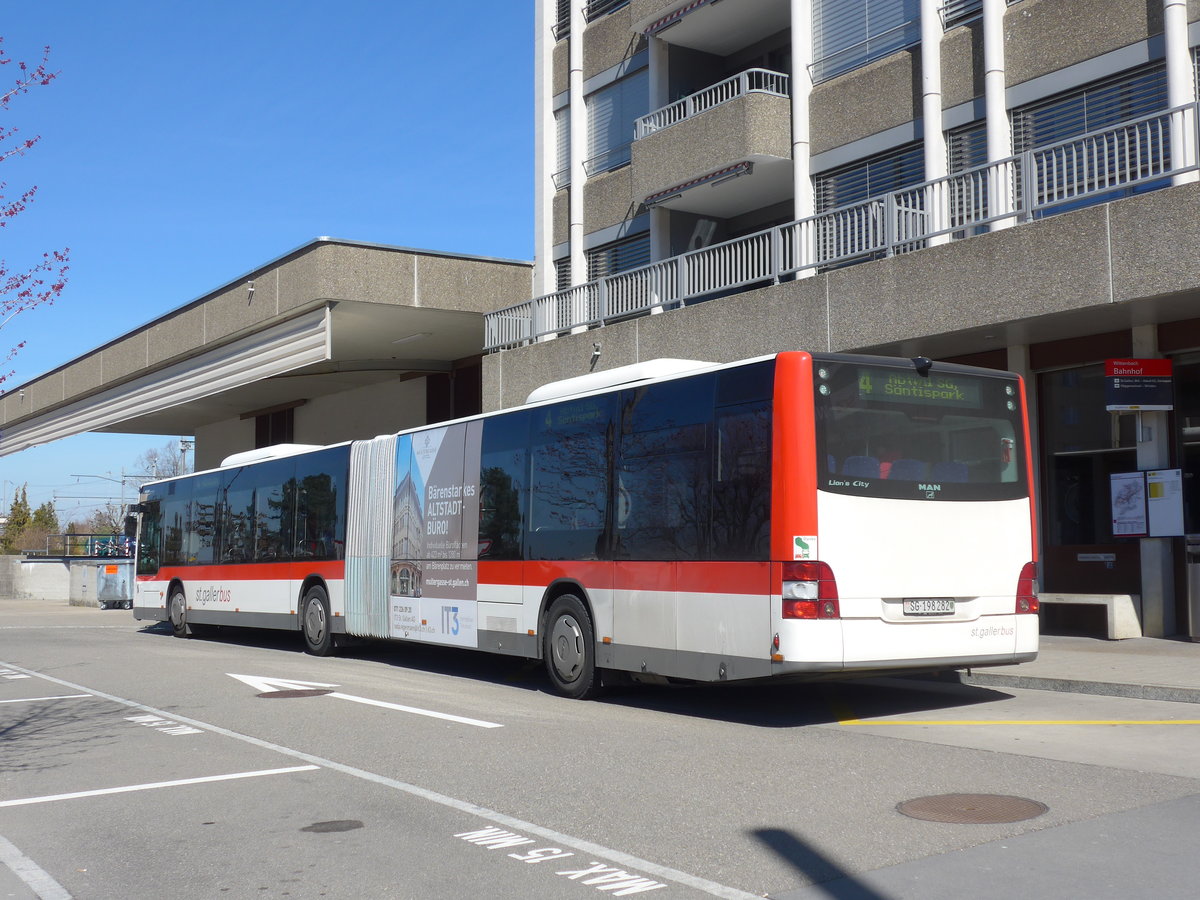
135, 764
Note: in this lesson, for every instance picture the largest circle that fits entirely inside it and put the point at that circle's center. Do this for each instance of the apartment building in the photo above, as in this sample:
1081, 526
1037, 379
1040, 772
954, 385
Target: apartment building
1010, 184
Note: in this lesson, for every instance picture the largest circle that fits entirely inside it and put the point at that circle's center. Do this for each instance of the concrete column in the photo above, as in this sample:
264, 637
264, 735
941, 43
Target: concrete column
579, 143
936, 163
1181, 87
1154, 452
804, 201
999, 130
660, 93
544, 149
660, 72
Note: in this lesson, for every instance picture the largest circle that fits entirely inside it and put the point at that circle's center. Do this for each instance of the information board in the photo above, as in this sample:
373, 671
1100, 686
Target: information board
1138, 384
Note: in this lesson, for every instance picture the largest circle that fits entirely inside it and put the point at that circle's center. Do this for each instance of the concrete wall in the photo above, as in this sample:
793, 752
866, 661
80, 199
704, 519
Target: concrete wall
221, 439
610, 41
22, 579
362, 413
1084, 272
354, 414
306, 279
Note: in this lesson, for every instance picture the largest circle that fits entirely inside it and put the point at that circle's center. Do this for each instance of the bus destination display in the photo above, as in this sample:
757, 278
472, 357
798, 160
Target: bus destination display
898, 386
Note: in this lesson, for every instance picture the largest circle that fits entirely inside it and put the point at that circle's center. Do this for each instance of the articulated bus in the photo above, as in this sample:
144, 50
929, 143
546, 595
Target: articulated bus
793, 516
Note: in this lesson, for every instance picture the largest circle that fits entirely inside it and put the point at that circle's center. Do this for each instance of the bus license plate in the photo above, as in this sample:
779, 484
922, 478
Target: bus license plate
930, 606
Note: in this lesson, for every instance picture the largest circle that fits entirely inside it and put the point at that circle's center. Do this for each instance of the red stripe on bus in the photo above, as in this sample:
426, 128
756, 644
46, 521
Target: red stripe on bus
1033, 524
628, 575
793, 454
333, 569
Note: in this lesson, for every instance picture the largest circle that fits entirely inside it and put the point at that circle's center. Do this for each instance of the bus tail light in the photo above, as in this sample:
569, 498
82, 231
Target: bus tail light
809, 591
1027, 598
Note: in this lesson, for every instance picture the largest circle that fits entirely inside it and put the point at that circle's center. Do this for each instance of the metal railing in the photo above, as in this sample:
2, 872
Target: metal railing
103, 545
1137, 155
757, 81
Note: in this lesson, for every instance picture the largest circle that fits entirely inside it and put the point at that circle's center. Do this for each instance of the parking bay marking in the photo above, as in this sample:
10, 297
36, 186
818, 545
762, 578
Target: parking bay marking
628, 860
39, 699
266, 685
50, 798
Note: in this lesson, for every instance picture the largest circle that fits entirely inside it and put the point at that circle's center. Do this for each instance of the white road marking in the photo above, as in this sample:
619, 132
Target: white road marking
38, 699
38, 879
482, 812
129, 788
265, 685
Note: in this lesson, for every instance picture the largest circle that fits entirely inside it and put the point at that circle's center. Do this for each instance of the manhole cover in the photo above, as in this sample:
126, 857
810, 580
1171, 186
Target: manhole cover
335, 825
972, 809
291, 695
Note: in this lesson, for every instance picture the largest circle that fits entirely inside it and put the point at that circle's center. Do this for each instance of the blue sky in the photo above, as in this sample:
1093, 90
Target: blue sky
185, 144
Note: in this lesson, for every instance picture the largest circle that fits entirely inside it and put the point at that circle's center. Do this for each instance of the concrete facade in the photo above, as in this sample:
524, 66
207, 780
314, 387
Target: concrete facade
1110, 275
374, 319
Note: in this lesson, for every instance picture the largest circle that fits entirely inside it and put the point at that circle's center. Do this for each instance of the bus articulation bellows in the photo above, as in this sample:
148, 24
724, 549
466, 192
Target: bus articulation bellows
798, 515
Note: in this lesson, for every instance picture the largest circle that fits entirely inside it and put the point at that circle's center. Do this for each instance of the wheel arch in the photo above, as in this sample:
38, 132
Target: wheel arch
554, 590
311, 581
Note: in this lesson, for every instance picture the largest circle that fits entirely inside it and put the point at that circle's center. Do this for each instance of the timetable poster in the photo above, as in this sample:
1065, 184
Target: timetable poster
1128, 491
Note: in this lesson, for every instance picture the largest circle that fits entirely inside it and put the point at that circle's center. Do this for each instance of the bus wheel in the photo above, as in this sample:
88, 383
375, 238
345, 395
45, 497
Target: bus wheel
314, 620
569, 649
177, 610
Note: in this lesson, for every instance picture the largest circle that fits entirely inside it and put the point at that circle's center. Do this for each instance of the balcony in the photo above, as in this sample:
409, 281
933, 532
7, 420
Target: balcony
759, 81
714, 27
686, 154
1138, 155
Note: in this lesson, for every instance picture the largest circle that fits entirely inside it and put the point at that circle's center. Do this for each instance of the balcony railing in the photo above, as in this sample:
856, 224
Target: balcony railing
752, 81
1138, 155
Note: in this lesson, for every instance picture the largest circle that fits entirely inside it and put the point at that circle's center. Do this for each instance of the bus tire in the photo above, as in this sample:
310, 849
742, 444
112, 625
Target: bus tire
177, 613
314, 621
569, 649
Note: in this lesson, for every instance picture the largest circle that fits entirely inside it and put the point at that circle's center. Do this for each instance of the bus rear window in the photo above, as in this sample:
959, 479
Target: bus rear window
952, 434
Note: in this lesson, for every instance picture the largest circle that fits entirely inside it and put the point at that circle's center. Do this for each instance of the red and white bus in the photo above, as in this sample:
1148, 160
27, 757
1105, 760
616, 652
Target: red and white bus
797, 515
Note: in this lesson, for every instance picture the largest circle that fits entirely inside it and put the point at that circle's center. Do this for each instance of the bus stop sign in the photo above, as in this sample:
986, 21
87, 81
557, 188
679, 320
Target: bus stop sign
1138, 384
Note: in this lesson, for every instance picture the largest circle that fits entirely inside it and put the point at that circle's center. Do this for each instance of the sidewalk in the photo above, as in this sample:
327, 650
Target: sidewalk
1143, 668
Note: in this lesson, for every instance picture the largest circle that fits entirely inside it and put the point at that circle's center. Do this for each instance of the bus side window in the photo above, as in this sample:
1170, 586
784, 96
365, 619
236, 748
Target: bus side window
200, 543
571, 447
174, 522
237, 516
503, 485
741, 511
320, 490
663, 479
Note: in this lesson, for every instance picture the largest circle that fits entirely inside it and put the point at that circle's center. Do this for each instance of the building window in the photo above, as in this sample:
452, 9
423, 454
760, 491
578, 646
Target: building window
562, 273
957, 12
848, 34
273, 428
891, 171
562, 154
562, 19
597, 8
1102, 104
619, 256
1140, 92
611, 113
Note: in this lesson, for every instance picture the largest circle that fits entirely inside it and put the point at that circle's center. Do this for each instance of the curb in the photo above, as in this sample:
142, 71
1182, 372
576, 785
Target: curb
1074, 686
